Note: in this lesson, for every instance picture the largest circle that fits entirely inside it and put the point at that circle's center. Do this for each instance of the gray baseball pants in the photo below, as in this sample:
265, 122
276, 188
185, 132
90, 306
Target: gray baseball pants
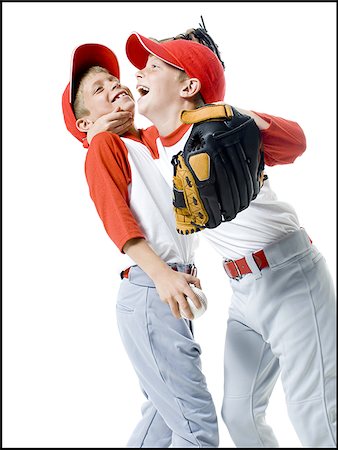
282, 320
179, 411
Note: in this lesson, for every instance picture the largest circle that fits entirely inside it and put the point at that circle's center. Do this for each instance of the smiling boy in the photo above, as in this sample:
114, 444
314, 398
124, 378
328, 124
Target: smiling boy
134, 203
282, 313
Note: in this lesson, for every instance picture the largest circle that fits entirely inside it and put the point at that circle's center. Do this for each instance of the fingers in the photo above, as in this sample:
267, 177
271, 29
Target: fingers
174, 306
193, 280
120, 124
175, 291
184, 306
177, 303
191, 294
120, 129
117, 114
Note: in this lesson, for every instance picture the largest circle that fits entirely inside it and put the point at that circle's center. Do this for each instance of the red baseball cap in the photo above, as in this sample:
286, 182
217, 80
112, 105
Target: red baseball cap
83, 57
197, 60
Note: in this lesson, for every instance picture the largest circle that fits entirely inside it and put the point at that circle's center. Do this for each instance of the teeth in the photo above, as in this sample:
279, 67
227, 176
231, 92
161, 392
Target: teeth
143, 90
120, 95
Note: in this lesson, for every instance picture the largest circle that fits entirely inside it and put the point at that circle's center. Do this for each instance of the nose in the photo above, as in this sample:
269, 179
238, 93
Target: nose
139, 74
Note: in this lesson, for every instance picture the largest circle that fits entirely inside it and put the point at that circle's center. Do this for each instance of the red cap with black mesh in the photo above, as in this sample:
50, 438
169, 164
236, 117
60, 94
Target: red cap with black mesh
197, 60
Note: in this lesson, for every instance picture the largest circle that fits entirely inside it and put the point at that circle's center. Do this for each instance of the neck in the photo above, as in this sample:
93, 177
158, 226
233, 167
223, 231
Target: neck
134, 131
169, 119
168, 126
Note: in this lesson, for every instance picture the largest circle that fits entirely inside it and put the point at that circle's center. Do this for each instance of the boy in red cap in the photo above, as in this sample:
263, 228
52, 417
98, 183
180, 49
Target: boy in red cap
134, 203
282, 314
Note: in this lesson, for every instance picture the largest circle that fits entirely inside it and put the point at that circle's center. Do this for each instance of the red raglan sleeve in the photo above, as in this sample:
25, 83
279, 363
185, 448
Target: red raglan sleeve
108, 175
148, 137
283, 141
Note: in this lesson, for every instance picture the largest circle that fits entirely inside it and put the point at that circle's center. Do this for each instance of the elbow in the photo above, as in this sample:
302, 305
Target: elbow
301, 142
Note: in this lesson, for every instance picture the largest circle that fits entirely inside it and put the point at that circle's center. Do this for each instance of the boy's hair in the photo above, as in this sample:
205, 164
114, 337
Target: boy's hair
79, 107
199, 35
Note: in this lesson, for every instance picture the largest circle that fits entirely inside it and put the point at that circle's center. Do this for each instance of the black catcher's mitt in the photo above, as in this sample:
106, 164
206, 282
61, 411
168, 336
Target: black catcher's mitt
220, 170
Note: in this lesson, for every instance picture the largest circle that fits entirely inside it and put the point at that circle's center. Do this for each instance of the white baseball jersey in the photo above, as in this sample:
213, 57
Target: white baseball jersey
267, 218
133, 199
130, 182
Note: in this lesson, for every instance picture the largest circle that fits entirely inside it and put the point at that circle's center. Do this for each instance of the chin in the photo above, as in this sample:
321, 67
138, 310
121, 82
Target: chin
126, 103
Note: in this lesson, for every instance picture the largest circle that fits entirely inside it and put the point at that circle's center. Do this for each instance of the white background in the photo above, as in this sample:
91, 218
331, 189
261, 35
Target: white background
66, 379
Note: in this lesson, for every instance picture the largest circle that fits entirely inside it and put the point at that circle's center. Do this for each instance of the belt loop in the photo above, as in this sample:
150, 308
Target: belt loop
194, 270
253, 266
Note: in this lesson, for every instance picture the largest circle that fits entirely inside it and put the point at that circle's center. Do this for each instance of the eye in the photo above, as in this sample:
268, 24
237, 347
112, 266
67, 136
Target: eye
98, 89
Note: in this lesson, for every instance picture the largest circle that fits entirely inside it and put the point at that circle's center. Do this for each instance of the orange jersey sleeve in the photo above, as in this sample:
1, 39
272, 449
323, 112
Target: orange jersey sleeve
283, 141
108, 175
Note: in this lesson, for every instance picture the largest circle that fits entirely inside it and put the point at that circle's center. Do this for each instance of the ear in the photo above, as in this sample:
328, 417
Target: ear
191, 87
84, 124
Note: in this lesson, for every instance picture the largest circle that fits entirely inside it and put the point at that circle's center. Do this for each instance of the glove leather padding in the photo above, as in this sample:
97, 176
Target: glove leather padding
226, 160
190, 212
206, 113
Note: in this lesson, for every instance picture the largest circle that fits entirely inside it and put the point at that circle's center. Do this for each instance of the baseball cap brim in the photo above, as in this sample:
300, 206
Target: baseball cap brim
88, 55
139, 47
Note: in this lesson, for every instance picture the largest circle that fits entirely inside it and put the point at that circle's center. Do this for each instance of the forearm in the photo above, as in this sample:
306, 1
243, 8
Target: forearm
145, 257
172, 287
283, 139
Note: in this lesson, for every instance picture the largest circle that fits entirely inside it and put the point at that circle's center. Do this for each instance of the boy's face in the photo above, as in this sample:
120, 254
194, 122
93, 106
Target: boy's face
102, 93
159, 84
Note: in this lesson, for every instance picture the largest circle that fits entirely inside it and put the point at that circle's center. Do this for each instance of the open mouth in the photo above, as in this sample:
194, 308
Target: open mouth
120, 95
142, 90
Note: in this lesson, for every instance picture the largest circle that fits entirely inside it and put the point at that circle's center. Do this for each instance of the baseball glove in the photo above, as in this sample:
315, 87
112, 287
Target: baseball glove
220, 170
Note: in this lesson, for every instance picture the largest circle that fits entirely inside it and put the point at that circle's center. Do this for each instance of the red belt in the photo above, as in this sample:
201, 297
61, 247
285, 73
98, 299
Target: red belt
124, 273
236, 269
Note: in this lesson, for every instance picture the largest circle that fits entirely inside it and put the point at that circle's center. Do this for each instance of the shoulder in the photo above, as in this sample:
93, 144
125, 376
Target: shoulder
106, 138
107, 144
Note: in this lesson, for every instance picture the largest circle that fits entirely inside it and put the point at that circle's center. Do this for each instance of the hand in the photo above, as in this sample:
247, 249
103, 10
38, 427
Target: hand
261, 123
173, 288
117, 121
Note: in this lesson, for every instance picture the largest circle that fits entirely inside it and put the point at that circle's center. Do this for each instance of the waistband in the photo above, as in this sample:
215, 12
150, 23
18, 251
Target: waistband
273, 255
185, 268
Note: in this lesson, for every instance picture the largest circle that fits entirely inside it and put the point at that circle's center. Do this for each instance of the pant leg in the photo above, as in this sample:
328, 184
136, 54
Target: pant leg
151, 431
292, 305
304, 336
250, 373
167, 361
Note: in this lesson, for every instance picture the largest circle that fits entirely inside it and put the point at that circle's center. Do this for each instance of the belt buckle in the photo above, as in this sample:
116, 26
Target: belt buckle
239, 274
